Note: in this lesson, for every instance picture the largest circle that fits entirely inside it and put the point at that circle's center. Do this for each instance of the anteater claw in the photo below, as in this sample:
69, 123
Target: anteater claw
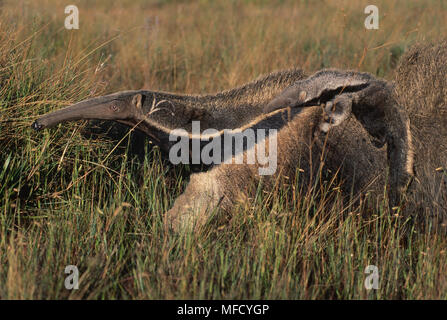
36, 126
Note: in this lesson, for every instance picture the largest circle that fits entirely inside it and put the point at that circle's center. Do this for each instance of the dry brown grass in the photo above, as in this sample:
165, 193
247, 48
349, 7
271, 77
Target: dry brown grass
67, 200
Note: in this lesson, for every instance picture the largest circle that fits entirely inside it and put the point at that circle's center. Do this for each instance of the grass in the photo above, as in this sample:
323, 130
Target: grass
72, 198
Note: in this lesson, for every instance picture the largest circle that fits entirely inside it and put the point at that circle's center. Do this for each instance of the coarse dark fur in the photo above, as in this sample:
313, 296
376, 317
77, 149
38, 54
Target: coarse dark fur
421, 88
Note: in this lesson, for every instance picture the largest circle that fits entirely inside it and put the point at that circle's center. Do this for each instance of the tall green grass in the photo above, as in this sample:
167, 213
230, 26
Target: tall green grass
68, 197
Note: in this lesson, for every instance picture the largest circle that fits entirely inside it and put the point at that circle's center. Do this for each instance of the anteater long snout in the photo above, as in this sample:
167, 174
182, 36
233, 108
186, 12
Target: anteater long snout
53, 118
88, 109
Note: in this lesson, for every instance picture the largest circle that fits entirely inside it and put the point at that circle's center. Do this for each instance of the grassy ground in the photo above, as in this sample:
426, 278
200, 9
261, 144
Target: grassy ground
69, 198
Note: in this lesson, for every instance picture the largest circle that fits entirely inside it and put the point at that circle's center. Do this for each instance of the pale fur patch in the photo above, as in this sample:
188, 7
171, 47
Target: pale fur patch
410, 152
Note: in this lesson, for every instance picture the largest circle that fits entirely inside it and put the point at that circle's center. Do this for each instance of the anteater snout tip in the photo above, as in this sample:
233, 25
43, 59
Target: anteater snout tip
36, 126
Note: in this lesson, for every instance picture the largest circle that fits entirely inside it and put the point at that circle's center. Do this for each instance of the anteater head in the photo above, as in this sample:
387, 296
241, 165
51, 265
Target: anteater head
124, 107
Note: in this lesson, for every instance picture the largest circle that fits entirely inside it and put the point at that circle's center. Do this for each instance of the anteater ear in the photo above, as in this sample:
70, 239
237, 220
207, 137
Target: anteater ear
138, 100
